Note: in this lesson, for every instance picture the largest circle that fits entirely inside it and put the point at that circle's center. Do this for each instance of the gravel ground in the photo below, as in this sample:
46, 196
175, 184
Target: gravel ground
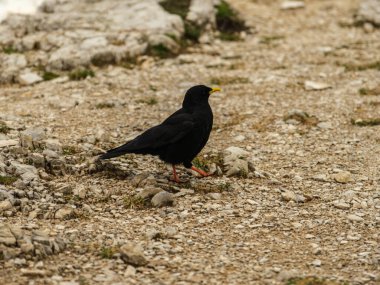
296, 94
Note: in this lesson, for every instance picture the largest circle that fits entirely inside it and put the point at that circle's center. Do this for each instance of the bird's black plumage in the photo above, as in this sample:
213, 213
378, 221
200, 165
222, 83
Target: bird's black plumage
179, 138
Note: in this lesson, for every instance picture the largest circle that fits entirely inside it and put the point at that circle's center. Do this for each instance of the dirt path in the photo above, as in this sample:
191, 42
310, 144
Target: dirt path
249, 234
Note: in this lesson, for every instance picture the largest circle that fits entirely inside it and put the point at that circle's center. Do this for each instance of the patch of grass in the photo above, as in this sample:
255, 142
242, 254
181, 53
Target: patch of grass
192, 32
47, 75
229, 80
224, 186
369, 92
134, 202
312, 281
83, 281
267, 40
81, 74
149, 101
160, 51
200, 162
107, 252
366, 122
4, 129
10, 50
362, 66
104, 105
7, 180
178, 7
228, 22
69, 150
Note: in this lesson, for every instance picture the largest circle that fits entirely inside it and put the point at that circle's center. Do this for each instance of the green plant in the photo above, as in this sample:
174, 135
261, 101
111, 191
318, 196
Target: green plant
366, 122
4, 129
160, 51
9, 50
104, 105
81, 74
107, 252
47, 75
134, 202
7, 180
228, 22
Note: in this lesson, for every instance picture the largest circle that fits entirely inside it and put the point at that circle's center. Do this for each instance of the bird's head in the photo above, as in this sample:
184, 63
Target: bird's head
198, 95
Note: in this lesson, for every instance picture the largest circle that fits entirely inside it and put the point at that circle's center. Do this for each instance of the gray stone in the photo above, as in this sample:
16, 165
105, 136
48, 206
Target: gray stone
7, 143
32, 138
369, 11
342, 177
149, 192
133, 254
162, 199
355, 218
291, 196
5, 206
65, 213
291, 5
312, 85
54, 145
6, 236
29, 78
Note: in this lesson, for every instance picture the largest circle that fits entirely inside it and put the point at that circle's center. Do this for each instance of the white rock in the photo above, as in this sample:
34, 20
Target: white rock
342, 177
312, 85
317, 263
341, 205
355, 218
162, 199
29, 78
133, 254
64, 213
201, 12
369, 11
5, 206
6, 143
288, 5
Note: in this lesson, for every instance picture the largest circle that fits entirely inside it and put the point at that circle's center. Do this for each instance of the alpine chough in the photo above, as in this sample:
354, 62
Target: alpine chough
179, 138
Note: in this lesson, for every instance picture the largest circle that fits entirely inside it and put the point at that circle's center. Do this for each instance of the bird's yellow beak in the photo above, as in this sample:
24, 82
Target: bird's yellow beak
215, 89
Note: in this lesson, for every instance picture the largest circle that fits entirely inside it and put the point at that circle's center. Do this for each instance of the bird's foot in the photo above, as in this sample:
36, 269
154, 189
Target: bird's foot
201, 172
177, 180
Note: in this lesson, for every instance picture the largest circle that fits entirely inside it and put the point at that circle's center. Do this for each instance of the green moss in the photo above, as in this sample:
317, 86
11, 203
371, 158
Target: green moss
160, 51
362, 67
267, 40
104, 105
178, 7
312, 281
149, 101
225, 186
7, 180
107, 252
9, 50
47, 75
81, 74
4, 129
134, 202
200, 162
369, 92
192, 32
228, 22
69, 150
366, 122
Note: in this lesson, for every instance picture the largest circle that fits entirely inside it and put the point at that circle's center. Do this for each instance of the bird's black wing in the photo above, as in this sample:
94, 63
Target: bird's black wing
171, 130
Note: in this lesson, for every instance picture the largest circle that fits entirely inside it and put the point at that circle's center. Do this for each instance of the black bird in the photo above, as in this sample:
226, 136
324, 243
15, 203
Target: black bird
179, 138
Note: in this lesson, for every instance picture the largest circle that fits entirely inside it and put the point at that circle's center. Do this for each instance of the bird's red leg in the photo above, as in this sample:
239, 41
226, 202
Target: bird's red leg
175, 176
200, 171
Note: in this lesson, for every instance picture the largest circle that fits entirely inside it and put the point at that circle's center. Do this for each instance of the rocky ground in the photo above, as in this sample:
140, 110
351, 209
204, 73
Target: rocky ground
295, 196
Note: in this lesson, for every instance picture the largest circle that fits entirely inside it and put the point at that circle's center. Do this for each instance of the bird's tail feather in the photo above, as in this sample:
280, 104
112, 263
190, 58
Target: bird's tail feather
116, 152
